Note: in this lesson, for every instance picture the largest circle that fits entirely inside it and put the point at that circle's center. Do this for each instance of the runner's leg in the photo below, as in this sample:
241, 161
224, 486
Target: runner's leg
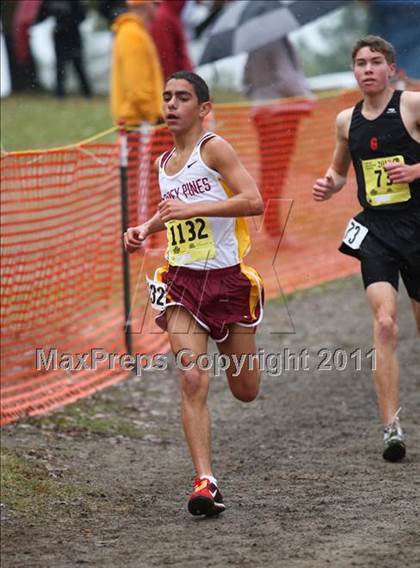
382, 298
411, 278
186, 333
416, 310
241, 343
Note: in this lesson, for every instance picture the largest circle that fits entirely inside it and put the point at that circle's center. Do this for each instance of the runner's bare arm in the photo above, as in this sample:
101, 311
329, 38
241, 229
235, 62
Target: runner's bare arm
156, 164
410, 114
246, 201
134, 237
336, 175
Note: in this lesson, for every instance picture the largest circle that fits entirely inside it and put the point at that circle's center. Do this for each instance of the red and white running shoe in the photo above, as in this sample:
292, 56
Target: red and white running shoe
205, 499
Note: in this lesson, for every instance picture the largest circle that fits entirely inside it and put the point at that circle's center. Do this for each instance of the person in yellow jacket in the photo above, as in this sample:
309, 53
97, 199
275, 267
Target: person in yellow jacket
136, 95
137, 79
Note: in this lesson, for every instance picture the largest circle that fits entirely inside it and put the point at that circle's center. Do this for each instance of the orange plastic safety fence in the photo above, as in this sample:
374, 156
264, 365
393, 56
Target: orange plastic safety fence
61, 278
62, 289
286, 146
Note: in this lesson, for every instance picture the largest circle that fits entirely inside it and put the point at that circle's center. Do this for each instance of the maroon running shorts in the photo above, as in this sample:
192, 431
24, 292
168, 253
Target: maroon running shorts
215, 298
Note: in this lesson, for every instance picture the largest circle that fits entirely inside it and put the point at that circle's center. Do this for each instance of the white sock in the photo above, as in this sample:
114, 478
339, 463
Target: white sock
210, 478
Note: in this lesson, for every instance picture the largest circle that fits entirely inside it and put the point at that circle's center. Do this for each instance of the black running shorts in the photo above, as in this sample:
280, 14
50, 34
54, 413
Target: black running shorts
390, 248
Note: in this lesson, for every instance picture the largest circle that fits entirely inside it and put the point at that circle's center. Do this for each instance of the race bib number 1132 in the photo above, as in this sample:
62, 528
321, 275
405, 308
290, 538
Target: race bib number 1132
190, 240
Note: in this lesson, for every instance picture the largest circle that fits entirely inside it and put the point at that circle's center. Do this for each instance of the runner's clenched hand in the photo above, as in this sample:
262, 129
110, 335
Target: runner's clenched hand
323, 188
134, 237
402, 173
174, 209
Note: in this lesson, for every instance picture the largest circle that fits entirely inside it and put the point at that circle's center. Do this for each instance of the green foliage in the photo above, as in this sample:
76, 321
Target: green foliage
338, 34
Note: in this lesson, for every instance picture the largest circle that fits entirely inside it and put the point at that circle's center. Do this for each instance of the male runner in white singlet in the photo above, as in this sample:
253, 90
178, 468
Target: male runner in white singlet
204, 289
381, 135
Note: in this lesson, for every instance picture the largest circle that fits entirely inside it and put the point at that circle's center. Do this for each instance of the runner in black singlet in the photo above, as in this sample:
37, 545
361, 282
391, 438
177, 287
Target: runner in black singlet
381, 136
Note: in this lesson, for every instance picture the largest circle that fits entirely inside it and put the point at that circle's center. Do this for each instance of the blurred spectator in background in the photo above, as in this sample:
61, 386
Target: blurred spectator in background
111, 9
68, 14
23, 66
169, 36
398, 21
136, 82
5, 79
136, 99
272, 72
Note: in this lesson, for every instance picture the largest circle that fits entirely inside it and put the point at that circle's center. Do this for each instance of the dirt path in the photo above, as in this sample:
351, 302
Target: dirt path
105, 482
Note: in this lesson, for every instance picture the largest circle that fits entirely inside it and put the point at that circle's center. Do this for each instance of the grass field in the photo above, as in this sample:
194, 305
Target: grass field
41, 121
35, 122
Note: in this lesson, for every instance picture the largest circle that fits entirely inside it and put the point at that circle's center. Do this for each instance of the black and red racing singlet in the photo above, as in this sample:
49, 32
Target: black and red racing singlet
372, 144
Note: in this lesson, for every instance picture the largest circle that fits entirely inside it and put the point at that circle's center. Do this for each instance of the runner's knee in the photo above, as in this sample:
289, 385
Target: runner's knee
386, 328
194, 383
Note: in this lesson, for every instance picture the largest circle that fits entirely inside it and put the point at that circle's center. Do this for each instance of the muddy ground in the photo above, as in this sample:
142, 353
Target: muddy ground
104, 482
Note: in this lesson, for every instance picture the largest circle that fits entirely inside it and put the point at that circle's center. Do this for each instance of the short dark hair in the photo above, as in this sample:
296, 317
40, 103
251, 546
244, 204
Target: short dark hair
200, 86
375, 43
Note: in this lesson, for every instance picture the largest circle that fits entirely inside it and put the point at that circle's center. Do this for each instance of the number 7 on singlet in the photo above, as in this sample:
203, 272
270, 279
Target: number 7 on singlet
379, 188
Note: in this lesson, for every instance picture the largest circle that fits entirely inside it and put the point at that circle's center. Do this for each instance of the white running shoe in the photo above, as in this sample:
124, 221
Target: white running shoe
394, 444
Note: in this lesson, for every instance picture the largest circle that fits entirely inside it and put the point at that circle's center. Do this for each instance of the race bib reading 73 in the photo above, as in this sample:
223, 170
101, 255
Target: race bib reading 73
379, 188
354, 234
190, 240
